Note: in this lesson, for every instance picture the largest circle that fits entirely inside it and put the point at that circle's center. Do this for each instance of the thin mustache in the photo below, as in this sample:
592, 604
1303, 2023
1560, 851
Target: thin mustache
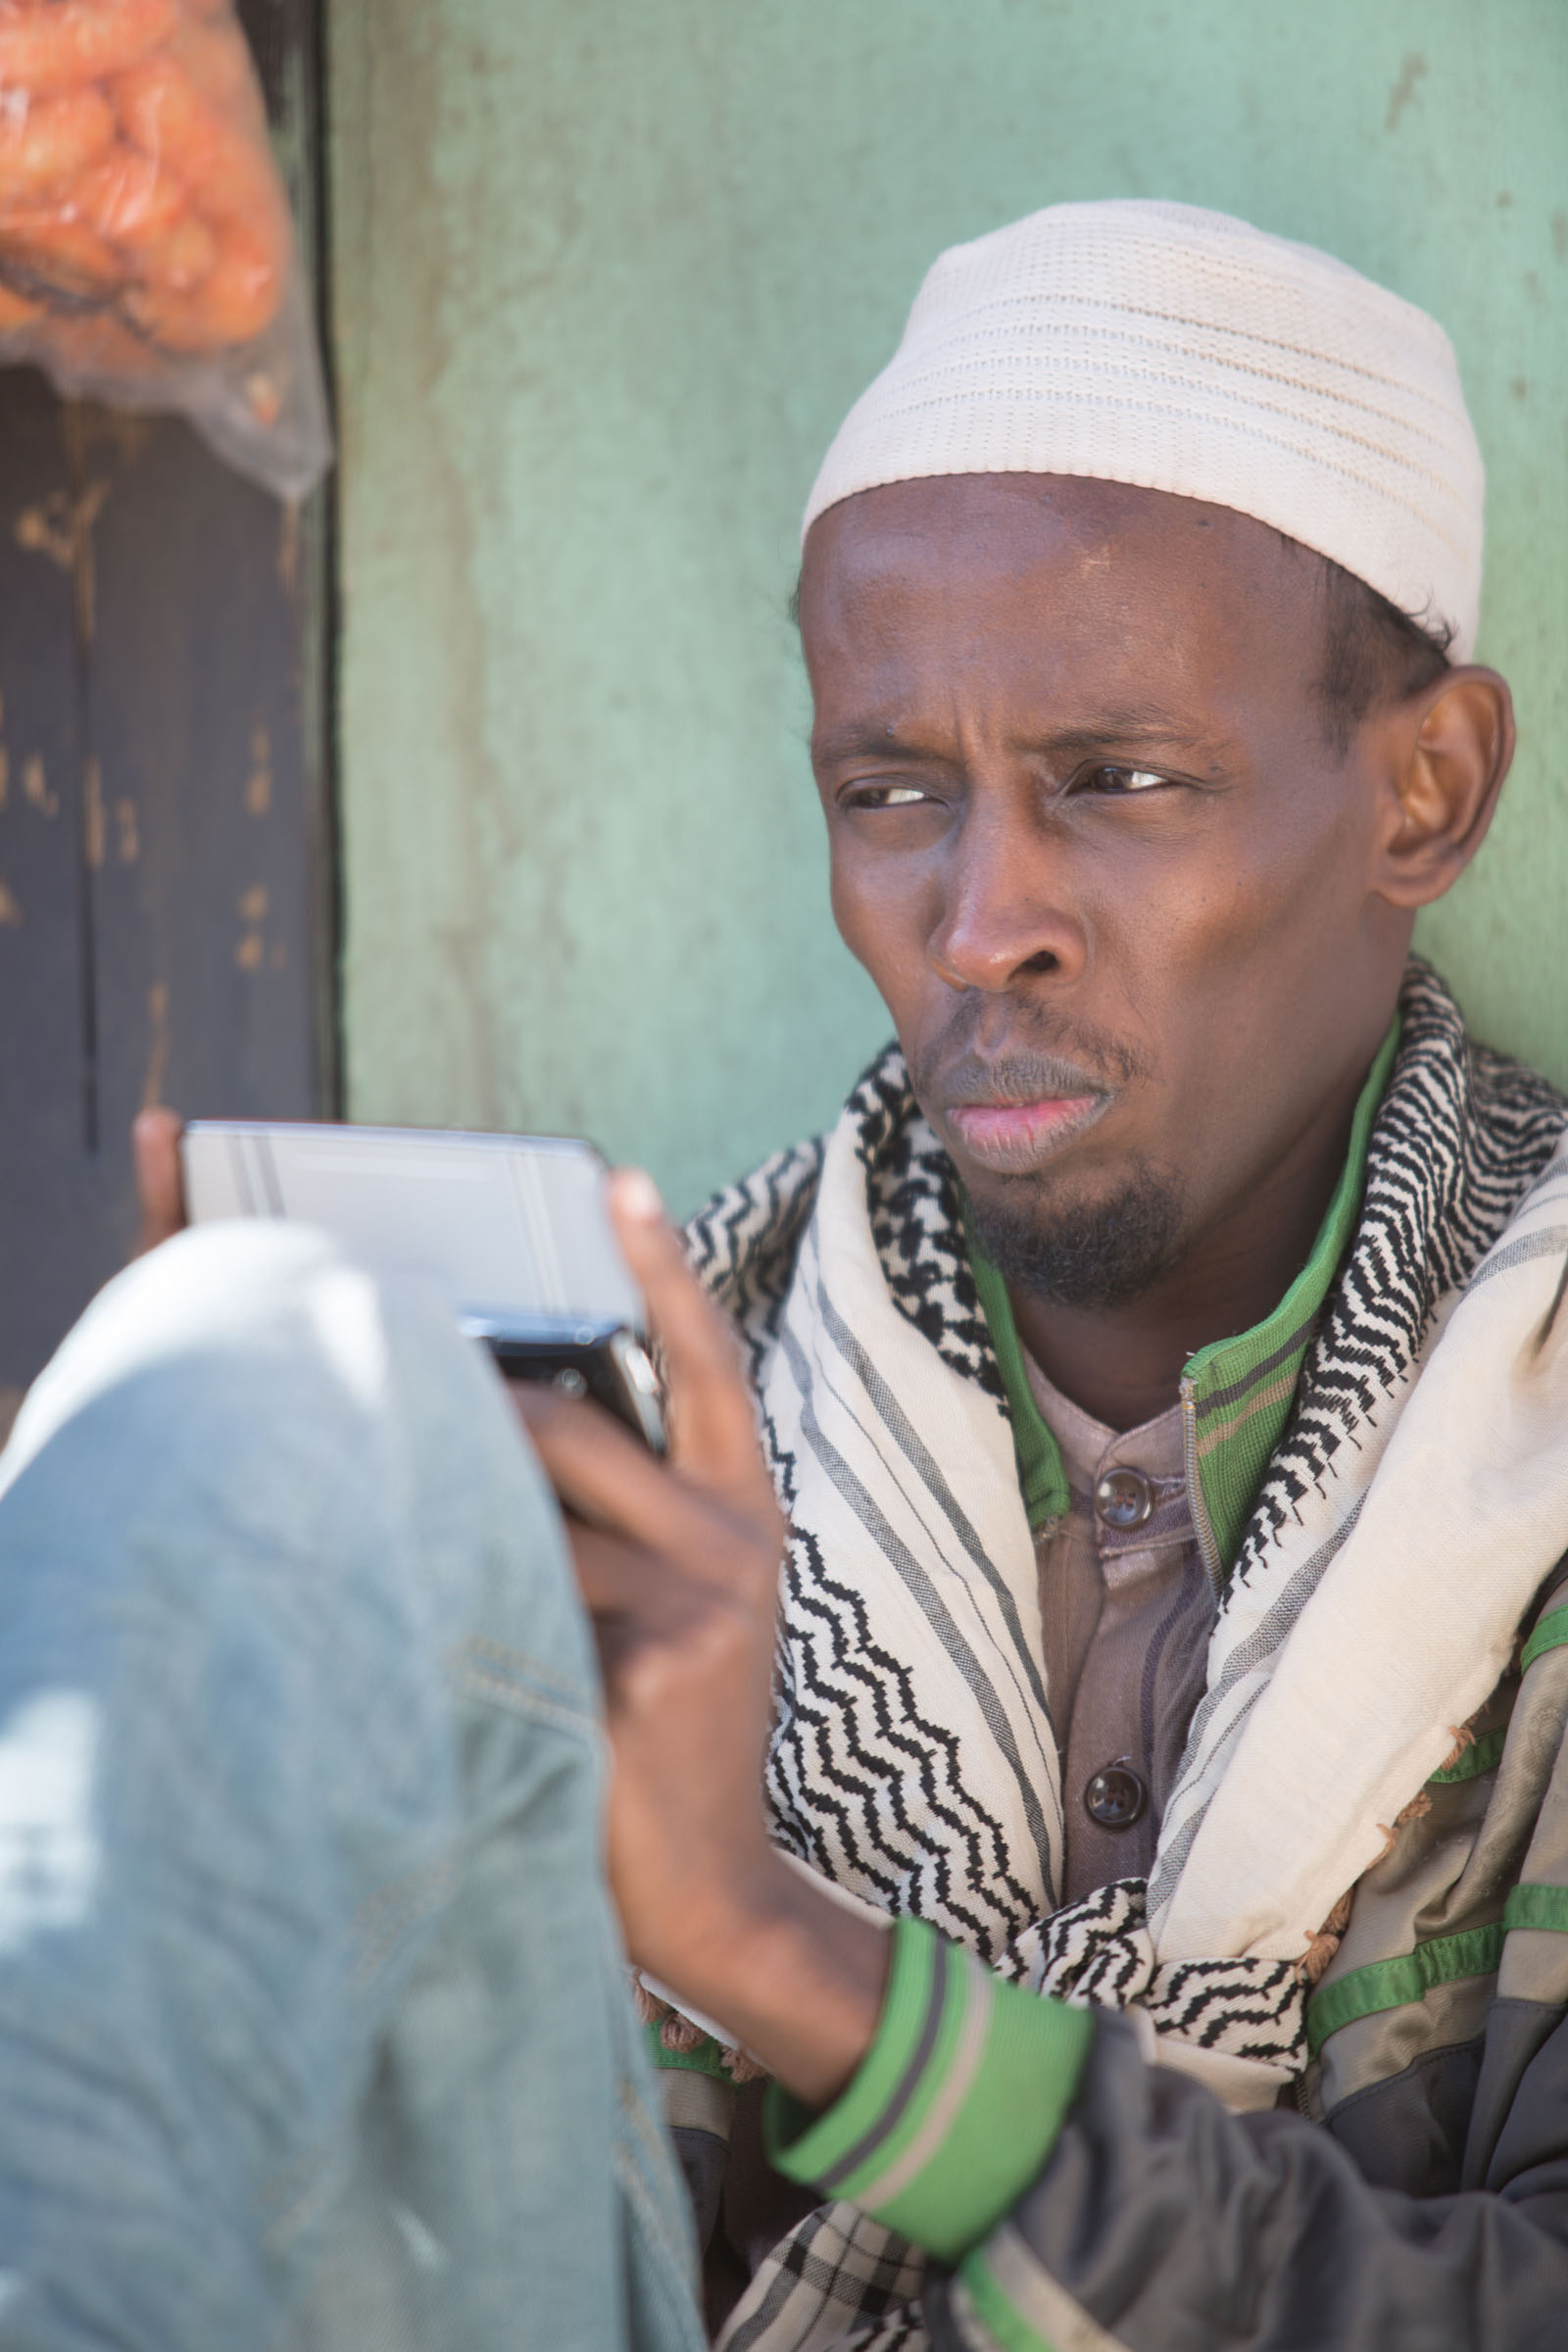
977, 1078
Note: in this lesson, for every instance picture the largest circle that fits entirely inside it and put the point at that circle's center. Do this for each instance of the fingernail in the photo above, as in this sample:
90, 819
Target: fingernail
638, 1196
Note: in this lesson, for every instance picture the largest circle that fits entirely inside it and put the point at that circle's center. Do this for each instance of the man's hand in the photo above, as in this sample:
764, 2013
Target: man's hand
160, 1185
678, 1564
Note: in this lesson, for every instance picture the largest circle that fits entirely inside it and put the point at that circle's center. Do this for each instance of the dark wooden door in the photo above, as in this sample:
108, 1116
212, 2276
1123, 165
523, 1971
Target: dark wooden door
165, 873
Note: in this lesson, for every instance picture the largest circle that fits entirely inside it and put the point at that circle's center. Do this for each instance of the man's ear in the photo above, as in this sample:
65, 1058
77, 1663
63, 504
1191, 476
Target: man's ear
1445, 754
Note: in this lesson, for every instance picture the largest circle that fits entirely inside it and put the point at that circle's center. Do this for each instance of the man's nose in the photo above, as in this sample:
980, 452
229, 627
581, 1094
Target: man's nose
1005, 908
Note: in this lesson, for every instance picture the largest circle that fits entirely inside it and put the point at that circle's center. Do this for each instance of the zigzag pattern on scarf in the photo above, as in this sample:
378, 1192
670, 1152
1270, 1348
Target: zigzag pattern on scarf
1461, 1133
870, 1790
1459, 1138
913, 1195
1099, 1952
860, 1782
874, 1792
843, 1802
741, 1244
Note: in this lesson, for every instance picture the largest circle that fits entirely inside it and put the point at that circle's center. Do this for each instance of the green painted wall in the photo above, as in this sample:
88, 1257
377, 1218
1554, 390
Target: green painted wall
608, 274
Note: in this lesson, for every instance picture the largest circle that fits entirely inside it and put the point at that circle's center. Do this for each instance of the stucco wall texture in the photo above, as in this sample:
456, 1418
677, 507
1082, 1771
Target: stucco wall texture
608, 272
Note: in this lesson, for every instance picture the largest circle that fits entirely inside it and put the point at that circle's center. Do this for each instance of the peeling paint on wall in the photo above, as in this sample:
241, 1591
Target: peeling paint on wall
1413, 70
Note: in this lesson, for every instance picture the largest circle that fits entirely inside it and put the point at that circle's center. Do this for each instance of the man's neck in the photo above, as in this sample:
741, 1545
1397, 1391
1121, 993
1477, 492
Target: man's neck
1124, 1364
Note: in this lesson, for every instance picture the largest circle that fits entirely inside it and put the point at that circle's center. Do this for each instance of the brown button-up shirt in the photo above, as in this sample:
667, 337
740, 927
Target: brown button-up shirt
1127, 1614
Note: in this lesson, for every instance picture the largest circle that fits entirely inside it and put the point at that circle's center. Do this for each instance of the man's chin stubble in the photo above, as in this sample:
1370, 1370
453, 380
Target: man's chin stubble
1084, 1253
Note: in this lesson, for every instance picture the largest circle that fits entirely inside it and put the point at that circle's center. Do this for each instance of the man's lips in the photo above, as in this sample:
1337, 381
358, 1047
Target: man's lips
1014, 1138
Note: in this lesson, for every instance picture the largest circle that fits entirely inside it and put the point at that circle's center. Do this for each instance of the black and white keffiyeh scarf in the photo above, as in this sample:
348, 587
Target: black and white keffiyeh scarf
1409, 1512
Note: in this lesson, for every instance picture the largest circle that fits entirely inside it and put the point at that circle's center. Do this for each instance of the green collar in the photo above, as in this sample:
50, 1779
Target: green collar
1237, 1393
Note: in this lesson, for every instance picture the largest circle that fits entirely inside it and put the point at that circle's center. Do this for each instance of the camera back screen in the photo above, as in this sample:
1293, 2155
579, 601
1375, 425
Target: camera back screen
511, 1229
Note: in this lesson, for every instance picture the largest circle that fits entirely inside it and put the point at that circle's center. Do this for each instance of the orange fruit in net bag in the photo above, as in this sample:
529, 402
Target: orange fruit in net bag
126, 198
55, 250
238, 297
69, 42
46, 140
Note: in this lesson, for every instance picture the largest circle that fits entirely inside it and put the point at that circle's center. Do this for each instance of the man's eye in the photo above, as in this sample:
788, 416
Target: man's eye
1107, 777
883, 796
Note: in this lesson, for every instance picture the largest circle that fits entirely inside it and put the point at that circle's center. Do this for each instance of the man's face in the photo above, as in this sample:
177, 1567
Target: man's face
1090, 842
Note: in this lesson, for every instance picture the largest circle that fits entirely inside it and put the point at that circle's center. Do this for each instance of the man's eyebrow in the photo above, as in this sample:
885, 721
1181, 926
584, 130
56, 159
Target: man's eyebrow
862, 742
1109, 731
1121, 730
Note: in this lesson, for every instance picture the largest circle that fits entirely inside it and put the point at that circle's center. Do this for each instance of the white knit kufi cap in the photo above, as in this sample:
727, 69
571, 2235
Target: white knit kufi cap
1183, 351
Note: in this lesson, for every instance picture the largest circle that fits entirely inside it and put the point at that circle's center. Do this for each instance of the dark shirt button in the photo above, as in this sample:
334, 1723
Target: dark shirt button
1123, 1498
1115, 1797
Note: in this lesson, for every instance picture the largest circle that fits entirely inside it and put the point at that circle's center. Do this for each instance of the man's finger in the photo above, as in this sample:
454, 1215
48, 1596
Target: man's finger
615, 1578
607, 1477
713, 1430
635, 1597
159, 1181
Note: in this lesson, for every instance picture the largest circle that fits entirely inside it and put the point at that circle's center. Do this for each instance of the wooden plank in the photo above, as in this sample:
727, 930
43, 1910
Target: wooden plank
165, 915
50, 1237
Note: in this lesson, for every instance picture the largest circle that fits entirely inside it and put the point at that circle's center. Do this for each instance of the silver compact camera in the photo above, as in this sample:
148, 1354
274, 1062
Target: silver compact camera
512, 1230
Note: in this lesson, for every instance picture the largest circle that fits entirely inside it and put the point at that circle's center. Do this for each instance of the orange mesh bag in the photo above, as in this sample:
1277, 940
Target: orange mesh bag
147, 255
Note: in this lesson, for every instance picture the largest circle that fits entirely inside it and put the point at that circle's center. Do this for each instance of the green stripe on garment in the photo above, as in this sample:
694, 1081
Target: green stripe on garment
1550, 1633
1244, 1387
1041, 1475
836, 2142
1223, 1408
1535, 1905
956, 2107
1482, 1755
1394, 1984
1442, 1960
705, 2059
996, 2311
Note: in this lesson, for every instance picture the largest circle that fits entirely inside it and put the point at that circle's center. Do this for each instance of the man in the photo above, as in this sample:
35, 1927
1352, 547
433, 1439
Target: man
1163, 1373
1171, 1487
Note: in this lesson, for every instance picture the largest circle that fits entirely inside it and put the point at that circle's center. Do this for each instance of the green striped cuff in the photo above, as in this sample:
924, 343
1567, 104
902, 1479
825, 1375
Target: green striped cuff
954, 2107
